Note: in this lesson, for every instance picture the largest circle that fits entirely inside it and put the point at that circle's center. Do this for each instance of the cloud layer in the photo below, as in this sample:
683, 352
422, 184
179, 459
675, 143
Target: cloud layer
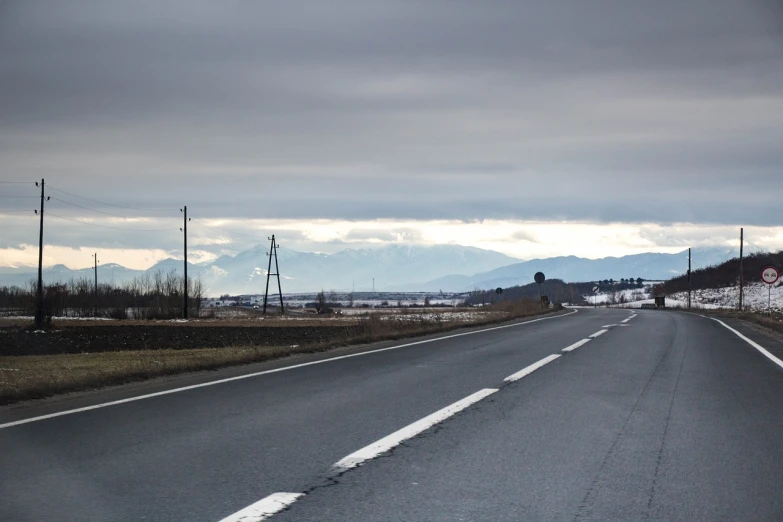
605, 111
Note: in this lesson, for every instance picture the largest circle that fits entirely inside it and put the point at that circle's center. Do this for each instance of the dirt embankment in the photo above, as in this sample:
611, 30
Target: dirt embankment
16, 340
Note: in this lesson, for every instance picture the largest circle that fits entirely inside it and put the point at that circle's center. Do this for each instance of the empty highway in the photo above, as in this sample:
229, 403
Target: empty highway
592, 414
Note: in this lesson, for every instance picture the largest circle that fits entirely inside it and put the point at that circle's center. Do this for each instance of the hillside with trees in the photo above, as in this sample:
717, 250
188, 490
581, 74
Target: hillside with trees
726, 274
557, 290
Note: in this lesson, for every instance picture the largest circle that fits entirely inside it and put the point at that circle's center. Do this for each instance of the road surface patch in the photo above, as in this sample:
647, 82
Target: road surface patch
750, 342
264, 508
258, 374
576, 345
530, 369
390, 441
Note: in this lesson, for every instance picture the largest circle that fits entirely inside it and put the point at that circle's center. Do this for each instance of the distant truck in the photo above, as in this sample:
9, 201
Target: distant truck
660, 302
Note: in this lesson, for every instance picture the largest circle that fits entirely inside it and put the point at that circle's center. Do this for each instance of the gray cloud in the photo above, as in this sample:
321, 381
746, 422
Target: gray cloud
607, 110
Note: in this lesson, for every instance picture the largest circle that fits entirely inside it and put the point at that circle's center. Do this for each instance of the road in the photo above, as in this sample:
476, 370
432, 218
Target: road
658, 416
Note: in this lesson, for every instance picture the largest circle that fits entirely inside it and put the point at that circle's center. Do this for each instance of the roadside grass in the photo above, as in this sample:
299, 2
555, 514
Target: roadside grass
37, 376
773, 322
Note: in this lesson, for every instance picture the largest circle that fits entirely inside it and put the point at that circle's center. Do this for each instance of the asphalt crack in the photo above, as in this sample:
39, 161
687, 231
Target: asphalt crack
584, 505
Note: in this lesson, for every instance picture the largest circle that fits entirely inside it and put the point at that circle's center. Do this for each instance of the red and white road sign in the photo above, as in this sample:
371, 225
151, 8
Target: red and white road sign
770, 274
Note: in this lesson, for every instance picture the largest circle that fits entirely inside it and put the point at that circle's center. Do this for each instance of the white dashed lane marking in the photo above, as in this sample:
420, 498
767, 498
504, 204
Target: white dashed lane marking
264, 508
576, 345
530, 369
385, 444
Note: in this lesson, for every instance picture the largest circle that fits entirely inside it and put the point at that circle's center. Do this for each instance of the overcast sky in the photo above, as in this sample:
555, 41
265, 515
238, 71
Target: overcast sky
588, 127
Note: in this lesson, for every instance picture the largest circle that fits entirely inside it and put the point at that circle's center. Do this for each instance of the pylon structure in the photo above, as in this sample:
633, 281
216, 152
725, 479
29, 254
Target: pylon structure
273, 253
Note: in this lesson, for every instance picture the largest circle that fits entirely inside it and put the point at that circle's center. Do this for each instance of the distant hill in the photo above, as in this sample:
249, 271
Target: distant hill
653, 266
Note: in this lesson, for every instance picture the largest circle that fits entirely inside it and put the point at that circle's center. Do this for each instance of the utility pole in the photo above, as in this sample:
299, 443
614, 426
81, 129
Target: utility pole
39, 314
741, 281
95, 256
273, 252
689, 279
185, 282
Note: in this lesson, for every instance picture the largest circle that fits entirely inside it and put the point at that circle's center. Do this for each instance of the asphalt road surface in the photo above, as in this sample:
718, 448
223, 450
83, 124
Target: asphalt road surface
596, 414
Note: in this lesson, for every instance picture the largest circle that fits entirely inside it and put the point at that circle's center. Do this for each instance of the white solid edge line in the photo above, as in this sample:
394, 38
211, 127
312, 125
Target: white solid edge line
596, 334
264, 508
266, 372
750, 342
386, 443
576, 345
530, 369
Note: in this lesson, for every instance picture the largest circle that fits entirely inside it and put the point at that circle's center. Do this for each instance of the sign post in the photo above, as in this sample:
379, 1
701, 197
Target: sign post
539, 278
769, 275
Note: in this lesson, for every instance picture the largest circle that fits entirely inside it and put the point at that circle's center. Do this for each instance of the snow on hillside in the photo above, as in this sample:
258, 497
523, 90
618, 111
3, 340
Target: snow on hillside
755, 296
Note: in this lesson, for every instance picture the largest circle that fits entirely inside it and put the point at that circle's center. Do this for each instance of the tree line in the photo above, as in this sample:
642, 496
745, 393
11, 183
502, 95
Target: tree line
156, 295
556, 290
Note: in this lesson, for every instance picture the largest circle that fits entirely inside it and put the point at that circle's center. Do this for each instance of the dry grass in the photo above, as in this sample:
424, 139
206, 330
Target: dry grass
37, 376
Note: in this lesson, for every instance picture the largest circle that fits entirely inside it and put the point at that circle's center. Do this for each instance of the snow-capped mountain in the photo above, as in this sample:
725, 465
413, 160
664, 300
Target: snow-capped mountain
384, 268
389, 267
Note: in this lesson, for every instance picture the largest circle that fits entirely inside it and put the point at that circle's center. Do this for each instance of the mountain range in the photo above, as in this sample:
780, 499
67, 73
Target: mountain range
654, 266
451, 268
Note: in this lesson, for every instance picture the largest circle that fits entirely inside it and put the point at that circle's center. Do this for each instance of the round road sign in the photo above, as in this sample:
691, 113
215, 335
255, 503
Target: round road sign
539, 277
770, 274
499, 291
595, 289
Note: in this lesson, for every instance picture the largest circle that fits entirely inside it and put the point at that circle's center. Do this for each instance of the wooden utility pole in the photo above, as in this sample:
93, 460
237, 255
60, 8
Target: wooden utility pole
39, 313
95, 256
741, 281
689, 279
185, 281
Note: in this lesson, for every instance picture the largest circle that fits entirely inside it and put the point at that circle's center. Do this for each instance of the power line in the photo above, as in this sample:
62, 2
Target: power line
16, 182
90, 209
26, 210
19, 197
112, 228
111, 204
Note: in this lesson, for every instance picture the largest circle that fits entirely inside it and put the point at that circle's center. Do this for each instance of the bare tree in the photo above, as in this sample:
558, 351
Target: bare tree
320, 302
